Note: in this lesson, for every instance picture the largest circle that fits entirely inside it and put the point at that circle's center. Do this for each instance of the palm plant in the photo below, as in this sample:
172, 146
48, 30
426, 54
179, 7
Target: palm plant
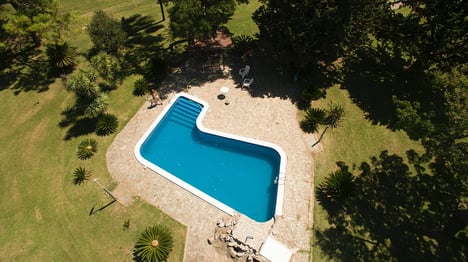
86, 149
242, 43
312, 119
61, 57
140, 87
338, 186
108, 67
335, 114
154, 244
106, 124
96, 106
80, 175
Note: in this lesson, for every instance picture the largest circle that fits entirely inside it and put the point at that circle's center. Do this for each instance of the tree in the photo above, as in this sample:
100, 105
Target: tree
61, 57
338, 186
312, 119
108, 67
192, 19
335, 114
24, 25
106, 33
80, 175
86, 149
433, 34
302, 33
89, 100
154, 244
106, 124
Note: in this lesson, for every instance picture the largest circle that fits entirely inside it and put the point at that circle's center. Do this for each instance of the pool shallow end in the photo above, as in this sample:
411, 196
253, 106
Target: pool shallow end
282, 163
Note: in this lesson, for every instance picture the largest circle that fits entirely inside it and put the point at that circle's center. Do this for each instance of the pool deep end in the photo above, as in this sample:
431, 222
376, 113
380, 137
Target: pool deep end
228, 171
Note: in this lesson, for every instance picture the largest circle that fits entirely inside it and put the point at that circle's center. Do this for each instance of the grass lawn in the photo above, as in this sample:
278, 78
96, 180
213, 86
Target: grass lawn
241, 22
44, 217
355, 141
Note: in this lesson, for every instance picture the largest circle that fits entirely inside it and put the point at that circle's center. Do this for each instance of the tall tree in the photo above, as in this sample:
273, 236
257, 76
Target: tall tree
301, 33
434, 33
191, 19
106, 33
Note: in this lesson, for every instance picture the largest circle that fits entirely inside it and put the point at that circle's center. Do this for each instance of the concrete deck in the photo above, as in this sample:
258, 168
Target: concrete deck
271, 119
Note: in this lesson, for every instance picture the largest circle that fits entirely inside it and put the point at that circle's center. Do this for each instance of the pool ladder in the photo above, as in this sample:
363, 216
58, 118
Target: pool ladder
280, 179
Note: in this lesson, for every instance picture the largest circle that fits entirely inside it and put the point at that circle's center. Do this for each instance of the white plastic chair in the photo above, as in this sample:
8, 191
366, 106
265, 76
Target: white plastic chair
243, 72
247, 82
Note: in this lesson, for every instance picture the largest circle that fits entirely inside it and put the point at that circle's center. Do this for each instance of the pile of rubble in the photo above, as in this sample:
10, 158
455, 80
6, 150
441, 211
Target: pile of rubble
238, 250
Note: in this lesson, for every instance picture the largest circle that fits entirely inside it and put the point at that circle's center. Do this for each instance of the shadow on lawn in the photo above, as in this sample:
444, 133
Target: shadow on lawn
77, 123
393, 214
142, 42
374, 77
27, 71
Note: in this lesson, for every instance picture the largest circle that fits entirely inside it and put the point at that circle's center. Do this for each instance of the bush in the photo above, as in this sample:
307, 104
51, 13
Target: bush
106, 124
87, 148
338, 186
242, 43
154, 244
140, 87
313, 118
61, 58
80, 175
106, 33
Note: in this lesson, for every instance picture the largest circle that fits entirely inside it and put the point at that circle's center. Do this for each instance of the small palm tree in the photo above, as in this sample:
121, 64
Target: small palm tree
86, 149
335, 114
61, 57
338, 186
312, 119
140, 87
80, 175
106, 124
154, 244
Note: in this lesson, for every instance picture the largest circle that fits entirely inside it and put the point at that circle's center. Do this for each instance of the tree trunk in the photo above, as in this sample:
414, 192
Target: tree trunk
162, 10
321, 136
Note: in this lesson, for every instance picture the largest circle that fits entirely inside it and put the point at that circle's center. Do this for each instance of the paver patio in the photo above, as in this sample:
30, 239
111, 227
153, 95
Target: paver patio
271, 119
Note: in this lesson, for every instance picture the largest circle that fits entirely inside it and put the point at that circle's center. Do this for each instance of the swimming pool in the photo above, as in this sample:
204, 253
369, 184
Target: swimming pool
231, 172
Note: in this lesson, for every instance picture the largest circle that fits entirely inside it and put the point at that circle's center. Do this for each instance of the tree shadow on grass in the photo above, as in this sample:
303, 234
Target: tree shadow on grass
393, 215
372, 77
143, 42
78, 125
28, 71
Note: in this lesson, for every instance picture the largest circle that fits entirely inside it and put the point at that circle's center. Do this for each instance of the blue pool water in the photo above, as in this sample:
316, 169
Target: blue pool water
239, 174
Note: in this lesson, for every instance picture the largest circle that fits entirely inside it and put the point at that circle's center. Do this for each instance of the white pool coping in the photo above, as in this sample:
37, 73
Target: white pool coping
201, 127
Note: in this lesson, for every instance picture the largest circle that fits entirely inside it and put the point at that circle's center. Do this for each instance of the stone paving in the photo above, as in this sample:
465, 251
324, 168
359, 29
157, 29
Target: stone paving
266, 118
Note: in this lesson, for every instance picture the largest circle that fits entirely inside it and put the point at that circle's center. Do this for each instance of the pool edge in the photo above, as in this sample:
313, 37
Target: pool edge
201, 127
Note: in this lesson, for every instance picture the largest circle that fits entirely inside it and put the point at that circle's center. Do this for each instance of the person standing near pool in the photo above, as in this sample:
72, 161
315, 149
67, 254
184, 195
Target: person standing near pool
155, 100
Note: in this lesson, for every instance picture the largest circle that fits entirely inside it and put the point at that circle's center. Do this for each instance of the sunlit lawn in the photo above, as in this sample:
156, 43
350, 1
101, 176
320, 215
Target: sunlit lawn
44, 217
355, 141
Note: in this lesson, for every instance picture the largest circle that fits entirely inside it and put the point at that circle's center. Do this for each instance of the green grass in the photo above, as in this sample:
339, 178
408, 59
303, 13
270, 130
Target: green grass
241, 22
355, 141
44, 217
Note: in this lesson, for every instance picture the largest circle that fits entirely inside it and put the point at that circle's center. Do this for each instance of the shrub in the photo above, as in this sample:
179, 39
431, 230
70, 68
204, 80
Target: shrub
86, 149
61, 57
338, 186
154, 244
313, 118
140, 87
106, 33
242, 43
106, 124
80, 175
